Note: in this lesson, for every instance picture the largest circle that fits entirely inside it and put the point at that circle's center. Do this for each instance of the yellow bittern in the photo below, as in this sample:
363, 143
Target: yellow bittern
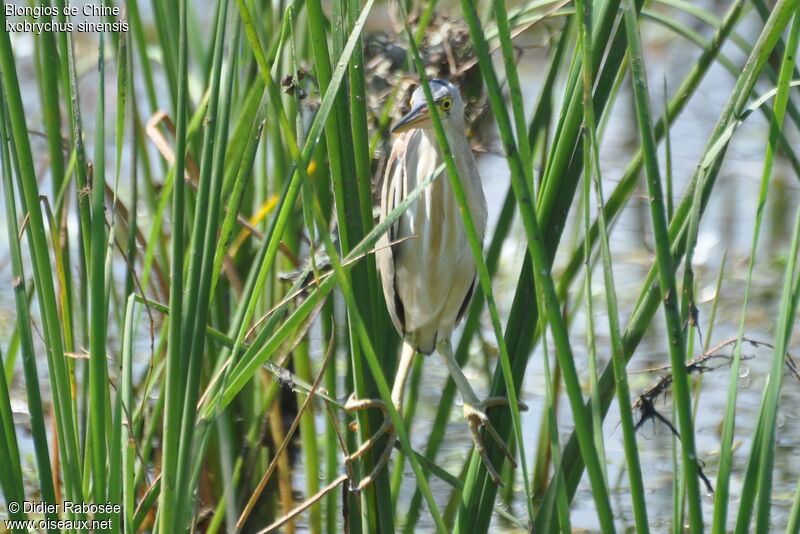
425, 262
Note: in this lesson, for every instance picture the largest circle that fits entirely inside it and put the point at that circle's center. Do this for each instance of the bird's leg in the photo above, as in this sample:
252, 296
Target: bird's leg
353, 404
400, 379
475, 410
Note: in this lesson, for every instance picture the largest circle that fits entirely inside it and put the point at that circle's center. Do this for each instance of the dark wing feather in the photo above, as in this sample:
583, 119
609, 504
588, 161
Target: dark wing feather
393, 190
464, 305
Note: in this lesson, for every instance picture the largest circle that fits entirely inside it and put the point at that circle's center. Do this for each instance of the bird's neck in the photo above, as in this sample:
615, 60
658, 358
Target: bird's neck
459, 147
467, 171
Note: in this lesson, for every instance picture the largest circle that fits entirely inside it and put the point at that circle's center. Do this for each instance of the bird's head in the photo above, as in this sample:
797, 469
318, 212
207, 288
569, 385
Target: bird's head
447, 100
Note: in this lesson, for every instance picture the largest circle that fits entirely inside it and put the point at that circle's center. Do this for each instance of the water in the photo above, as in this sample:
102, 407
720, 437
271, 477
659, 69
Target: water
726, 227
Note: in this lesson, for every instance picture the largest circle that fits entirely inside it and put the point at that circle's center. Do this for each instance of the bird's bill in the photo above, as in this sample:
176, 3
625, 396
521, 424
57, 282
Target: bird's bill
413, 119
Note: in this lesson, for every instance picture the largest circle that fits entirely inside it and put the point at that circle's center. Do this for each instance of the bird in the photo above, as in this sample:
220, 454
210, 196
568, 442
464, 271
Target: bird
427, 270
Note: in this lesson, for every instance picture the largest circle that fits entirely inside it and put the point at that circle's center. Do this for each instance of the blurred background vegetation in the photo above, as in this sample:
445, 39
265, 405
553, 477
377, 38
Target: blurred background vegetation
189, 292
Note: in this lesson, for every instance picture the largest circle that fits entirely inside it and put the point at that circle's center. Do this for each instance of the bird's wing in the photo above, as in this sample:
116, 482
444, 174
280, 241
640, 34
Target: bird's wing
467, 299
393, 192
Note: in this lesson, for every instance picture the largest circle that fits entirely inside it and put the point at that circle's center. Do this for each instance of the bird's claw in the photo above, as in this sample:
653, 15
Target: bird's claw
476, 417
351, 405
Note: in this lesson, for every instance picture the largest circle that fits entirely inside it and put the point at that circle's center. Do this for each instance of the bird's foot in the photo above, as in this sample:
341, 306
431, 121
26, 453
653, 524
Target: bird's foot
475, 414
386, 428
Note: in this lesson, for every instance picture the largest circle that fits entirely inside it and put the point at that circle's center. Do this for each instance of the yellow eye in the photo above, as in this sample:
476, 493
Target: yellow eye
446, 103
